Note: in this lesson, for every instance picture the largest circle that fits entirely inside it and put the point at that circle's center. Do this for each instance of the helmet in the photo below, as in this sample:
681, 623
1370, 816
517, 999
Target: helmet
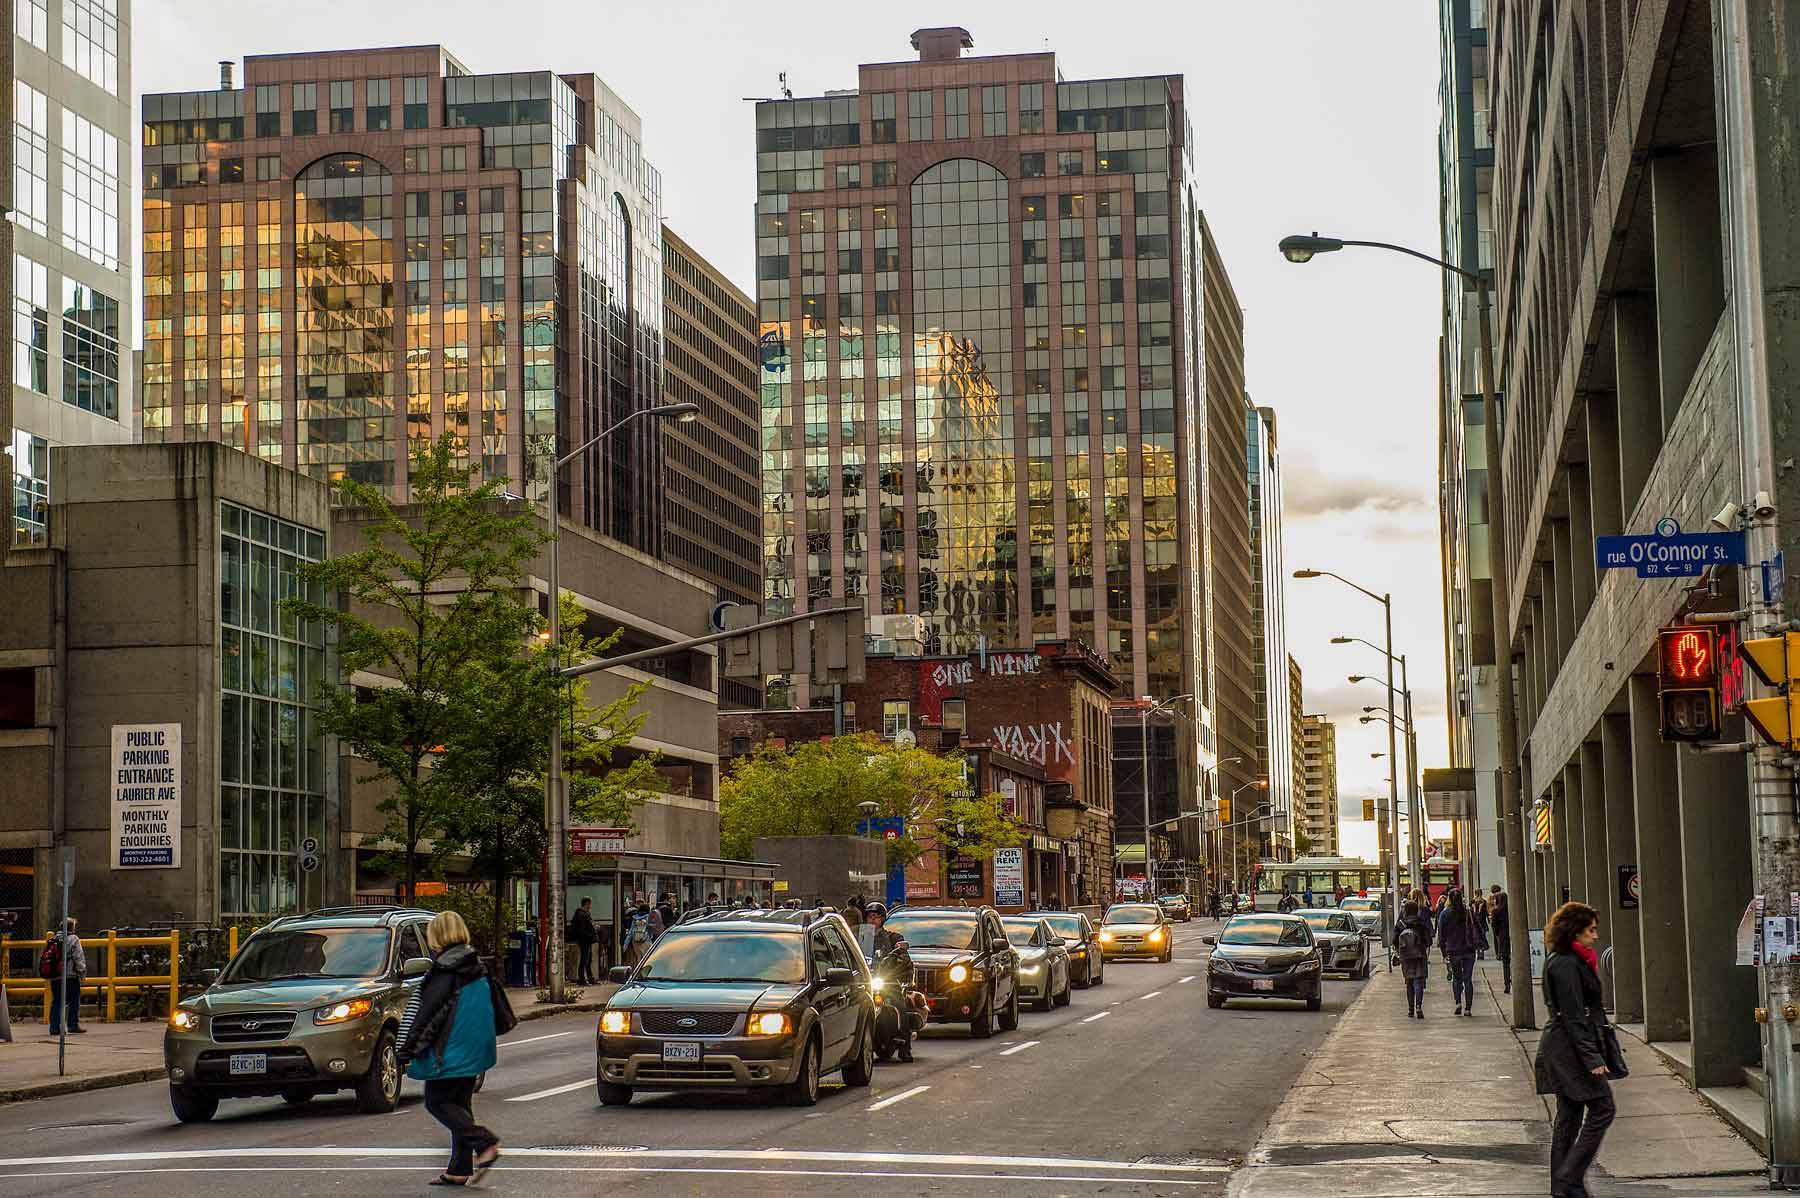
873, 909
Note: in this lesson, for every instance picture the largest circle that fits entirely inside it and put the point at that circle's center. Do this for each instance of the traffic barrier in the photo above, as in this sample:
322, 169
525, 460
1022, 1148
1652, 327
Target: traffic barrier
107, 985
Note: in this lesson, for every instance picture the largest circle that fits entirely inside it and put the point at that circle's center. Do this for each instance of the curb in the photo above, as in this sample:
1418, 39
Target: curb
545, 1010
77, 1085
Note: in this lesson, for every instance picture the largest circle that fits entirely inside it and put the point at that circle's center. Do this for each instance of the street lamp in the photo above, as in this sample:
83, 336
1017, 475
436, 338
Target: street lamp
1144, 745
557, 820
1215, 840
1414, 797
1302, 249
1237, 879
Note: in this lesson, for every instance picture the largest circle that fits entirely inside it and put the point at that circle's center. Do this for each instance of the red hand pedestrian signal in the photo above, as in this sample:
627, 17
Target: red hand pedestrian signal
1687, 668
1690, 656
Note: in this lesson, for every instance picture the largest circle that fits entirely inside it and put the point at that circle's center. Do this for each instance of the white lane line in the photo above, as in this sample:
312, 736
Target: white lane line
554, 1091
1007, 1052
1184, 981
891, 1099
806, 1155
534, 1039
1152, 994
1096, 1015
1085, 1178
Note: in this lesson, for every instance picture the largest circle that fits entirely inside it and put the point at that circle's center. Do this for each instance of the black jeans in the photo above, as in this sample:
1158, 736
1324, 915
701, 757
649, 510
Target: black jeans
1574, 1142
584, 967
448, 1101
1503, 950
1462, 980
1415, 993
71, 1001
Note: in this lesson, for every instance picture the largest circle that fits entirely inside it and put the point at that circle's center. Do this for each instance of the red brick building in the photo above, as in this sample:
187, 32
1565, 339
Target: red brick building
1036, 726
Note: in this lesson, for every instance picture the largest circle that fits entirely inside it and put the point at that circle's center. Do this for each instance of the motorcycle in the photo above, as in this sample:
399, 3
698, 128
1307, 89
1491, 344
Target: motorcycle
900, 1006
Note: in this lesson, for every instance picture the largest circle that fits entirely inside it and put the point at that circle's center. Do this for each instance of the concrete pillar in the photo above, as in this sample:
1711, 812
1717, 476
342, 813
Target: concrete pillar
1562, 557
1543, 612
1527, 703
1581, 544
1638, 397
1575, 833
1620, 924
1661, 915
1689, 254
1601, 884
1605, 513
1716, 868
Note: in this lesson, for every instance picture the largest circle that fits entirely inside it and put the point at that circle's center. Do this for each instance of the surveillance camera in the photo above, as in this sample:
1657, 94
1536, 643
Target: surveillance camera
1727, 517
1765, 506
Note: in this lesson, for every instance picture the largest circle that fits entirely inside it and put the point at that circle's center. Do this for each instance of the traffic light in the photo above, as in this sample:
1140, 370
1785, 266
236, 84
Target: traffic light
1368, 811
1687, 682
1776, 660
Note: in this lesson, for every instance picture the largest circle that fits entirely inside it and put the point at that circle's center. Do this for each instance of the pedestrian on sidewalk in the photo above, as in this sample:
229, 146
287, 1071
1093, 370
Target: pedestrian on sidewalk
1479, 907
1457, 941
447, 1040
581, 931
1497, 919
1572, 1056
63, 981
1412, 944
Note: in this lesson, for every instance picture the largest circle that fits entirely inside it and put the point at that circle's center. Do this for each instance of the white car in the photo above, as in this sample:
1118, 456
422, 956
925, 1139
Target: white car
1343, 946
1366, 910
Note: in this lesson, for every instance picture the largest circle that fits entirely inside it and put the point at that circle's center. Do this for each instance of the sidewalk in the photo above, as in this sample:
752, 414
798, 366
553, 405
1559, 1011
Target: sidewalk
1392, 1106
119, 1054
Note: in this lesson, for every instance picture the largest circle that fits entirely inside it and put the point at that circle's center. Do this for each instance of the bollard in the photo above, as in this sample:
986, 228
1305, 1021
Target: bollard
174, 968
112, 974
231, 943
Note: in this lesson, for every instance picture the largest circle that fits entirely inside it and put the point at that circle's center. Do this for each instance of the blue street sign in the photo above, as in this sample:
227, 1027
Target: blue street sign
1774, 578
1669, 552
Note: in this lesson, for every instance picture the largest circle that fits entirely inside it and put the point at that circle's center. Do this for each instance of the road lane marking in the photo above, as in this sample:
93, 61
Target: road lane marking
553, 1092
534, 1039
1184, 981
1152, 994
1096, 1015
1007, 1052
515, 1167
891, 1099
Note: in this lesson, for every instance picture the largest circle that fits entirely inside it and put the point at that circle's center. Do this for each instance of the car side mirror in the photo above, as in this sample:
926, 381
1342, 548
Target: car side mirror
1058, 942
839, 976
415, 967
208, 976
619, 974
1209, 940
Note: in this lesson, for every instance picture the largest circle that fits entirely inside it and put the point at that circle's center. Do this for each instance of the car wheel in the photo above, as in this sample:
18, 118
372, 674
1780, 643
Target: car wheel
379, 1090
1214, 1001
981, 1025
804, 1089
861, 1068
192, 1107
1316, 999
296, 1097
885, 1053
1009, 1018
1068, 993
614, 1095
1099, 973
1045, 1001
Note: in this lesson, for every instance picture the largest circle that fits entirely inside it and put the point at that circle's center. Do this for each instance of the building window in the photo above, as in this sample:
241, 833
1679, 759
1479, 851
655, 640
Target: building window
956, 715
918, 116
272, 767
31, 488
268, 166
1031, 166
896, 717
90, 350
380, 108
31, 325
416, 113
306, 109
881, 118
415, 159
1031, 108
90, 186
1068, 162
343, 106
90, 41
993, 111
956, 112
31, 158
231, 170
453, 158
884, 174
268, 110
31, 21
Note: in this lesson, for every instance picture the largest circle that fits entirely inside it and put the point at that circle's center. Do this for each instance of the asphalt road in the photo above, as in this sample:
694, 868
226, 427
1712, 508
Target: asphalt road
1136, 1087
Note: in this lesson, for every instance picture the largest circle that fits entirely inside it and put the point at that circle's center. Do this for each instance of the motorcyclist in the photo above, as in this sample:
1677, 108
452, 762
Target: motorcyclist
893, 962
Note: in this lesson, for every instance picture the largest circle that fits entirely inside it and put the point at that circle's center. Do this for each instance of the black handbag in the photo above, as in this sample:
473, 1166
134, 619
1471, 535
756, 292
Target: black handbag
1615, 1055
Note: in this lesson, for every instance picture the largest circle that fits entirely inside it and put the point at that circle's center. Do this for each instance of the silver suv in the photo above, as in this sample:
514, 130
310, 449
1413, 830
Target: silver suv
310, 1004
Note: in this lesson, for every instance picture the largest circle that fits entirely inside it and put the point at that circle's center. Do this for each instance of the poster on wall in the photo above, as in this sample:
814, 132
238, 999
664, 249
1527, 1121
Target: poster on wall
965, 878
146, 796
1009, 877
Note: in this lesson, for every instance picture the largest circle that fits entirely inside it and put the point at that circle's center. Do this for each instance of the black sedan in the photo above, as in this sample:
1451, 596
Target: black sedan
1265, 956
1087, 962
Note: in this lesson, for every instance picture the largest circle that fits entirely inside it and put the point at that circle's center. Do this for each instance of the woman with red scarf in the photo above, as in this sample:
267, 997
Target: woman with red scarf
1571, 1061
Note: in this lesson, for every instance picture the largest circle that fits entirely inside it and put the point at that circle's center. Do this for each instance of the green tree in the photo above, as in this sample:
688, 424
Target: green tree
432, 607
816, 789
1303, 844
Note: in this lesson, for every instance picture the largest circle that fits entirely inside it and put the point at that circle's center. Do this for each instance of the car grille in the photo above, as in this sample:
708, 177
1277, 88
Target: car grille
934, 981
252, 1028
686, 1073
687, 1023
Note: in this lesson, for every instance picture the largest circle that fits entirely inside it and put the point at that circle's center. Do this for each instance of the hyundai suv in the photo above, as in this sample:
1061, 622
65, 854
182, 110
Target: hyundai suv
309, 1005
964, 962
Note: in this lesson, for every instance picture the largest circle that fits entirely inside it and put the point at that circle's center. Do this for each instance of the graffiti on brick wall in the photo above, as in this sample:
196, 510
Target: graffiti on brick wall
1041, 744
1007, 665
953, 673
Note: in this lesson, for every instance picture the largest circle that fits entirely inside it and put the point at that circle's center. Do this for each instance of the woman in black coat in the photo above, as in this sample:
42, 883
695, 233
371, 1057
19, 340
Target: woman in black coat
1571, 1060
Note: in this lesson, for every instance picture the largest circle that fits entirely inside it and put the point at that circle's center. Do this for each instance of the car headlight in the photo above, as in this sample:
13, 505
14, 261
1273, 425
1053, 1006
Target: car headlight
1220, 964
1307, 965
878, 984
615, 1023
184, 1021
1155, 935
1038, 968
769, 1023
959, 973
343, 1012
1106, 937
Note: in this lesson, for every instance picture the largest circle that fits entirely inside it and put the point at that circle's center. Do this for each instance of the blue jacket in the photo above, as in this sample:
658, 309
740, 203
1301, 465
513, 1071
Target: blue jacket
1458, 937
448, 1029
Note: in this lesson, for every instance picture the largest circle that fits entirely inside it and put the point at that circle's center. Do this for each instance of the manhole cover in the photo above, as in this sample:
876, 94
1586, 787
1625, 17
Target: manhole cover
83, 1124
592, 1148
1176, 1162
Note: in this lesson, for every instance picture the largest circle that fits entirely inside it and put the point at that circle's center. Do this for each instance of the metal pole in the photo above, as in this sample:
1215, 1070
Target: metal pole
1390, 915
1414, 815
1144, 748
558, 818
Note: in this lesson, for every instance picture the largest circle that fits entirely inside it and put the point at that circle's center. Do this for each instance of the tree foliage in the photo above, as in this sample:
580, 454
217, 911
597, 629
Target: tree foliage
817, 788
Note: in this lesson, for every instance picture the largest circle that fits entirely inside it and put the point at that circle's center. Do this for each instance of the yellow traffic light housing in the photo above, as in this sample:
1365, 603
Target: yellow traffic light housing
1776, 660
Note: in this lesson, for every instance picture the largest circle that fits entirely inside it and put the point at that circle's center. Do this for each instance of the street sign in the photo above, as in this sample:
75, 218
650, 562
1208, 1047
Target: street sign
310, 845
717, 619
1670, 553
1628, 887
590, 842
1009, 877
309, 862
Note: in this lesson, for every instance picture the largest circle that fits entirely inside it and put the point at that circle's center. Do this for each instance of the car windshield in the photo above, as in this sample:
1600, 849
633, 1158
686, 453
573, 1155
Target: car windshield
1133, 913
714, 956
1173, 898
274, 956
1362, 904
1065, 925
1020, 931
1251, 930
1319, 921
935, 931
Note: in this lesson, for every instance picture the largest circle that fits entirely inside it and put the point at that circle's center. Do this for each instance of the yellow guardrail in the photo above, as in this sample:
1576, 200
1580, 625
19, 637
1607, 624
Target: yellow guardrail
111, 982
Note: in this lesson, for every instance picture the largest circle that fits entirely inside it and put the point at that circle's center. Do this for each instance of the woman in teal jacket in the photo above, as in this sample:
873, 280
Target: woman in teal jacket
447, 1040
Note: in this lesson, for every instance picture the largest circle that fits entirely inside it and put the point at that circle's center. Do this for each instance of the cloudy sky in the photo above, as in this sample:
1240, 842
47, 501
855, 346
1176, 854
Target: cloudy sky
1308, 114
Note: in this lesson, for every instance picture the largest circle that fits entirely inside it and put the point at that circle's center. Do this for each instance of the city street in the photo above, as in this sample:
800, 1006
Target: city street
1136, 1087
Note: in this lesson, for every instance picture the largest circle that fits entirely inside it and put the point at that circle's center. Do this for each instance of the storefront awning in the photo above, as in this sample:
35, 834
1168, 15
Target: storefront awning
675, 863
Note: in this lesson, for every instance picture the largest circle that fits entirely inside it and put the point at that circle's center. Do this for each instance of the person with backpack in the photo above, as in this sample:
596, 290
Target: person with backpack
448, 1039
1457, 940
63, 966
1412, 944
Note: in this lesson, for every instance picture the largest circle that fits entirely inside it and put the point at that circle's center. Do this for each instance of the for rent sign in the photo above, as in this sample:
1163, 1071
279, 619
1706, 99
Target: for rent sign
146, 796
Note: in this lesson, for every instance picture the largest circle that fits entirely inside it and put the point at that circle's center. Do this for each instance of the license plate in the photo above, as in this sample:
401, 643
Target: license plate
243, 1063
689, 1053
1263, 984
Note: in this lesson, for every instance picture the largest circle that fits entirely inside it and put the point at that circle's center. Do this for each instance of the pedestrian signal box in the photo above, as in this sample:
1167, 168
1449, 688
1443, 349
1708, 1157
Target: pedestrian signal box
1775, 660
1687, 677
